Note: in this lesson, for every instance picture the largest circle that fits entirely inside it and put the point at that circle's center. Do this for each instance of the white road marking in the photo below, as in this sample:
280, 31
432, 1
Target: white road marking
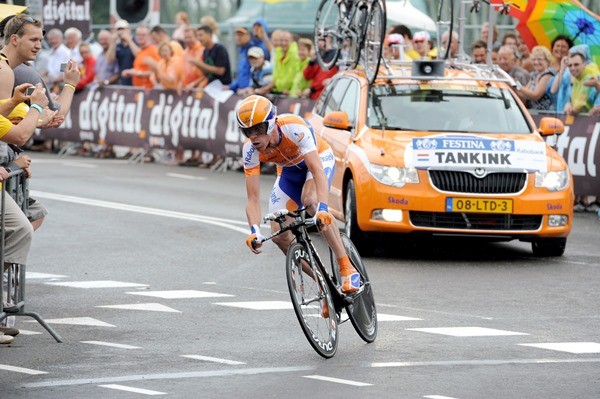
337, 380
392, 317
96, 284
178, 294
467, 331
28, 332
76, 321
152, 307
226, 223
101, 343
213, 359
571, 347
131, 389
21, 370
258, 305
33, 275
188, 177
486, 362
437, 397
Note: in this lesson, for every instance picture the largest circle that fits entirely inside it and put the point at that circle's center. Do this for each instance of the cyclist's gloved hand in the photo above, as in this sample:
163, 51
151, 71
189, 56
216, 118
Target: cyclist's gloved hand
254, 240
323, 217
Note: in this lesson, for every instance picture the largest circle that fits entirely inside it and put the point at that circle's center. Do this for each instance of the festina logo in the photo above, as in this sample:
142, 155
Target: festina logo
473, 158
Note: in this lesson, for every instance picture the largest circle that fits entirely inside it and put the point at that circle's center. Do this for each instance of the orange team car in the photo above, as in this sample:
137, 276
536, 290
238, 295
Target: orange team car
430, 149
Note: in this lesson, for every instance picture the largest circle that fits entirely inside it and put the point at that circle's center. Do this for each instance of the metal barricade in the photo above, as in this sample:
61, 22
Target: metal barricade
12, 288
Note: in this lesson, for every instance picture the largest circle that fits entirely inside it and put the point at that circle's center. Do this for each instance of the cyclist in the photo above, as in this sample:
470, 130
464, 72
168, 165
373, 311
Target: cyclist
305, 166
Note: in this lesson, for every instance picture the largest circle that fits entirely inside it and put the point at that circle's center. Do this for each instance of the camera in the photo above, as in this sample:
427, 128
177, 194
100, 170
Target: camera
63, 67
30, 90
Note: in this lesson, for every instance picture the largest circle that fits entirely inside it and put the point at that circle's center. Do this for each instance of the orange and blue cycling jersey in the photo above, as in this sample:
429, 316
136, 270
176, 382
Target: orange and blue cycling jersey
296, 138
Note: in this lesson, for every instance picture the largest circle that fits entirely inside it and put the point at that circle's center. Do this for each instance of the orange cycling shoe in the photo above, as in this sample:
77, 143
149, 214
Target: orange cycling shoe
350, 277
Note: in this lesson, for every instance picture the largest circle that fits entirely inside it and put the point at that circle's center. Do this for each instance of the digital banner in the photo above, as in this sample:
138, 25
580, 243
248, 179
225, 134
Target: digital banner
63, 14
163, 119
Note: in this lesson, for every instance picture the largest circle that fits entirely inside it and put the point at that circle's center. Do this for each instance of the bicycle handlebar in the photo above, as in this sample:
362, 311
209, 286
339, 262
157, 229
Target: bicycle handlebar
280, 217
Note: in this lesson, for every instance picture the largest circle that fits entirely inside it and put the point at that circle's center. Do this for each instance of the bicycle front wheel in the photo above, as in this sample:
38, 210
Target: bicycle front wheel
373, 40
361, 312
312, 301
328, 37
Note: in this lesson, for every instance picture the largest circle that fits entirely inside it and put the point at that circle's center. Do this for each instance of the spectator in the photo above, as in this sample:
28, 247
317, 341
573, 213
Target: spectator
319, 78
479, 52
215, 63
88, 68
122, 50
537, 90
561, 46
72, 42
581, 97
507, 60
494, 54
160, 35
243, 40
453, 43
510, 39
595, 83
193, 77
301, 86
285, 65
526, 61
59, 54
560, 49
167, 72
211, 22
422, 45
183, 23
485, 31
107, 73
409, 51
140, 73
260, 37
261, 72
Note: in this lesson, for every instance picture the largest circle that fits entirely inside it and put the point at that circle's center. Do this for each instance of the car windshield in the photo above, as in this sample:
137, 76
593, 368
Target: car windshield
450, 108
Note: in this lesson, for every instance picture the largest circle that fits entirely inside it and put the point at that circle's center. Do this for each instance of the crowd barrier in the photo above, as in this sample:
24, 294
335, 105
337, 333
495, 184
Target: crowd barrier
163, 119
12, 281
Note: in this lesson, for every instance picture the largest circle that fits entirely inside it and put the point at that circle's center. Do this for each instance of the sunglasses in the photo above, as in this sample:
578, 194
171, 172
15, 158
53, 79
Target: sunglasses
28, 20
257, 130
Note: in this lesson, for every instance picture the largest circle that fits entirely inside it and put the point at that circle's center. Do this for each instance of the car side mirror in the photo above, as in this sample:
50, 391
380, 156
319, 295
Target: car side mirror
550, 126
337, 120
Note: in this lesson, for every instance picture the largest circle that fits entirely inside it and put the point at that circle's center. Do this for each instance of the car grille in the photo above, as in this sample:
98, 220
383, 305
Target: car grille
464, 182
475, 221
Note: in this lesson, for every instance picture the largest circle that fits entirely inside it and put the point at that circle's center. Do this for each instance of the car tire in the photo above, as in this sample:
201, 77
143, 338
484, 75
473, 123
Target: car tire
543, 247
356, 235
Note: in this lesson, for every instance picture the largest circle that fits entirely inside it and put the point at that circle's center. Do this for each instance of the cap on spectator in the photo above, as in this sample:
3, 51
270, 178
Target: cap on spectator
583, 50
395, 38
256, 52
241, 30
421, 36
121, 24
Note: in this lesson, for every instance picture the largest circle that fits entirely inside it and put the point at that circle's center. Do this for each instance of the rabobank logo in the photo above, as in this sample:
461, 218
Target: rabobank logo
501, 145
426, 144
249, 154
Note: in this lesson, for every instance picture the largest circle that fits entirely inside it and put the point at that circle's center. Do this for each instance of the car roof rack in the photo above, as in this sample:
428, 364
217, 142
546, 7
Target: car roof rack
480, 72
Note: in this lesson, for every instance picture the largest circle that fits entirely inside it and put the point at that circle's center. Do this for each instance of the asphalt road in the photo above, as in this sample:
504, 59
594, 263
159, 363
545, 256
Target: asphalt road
143, 271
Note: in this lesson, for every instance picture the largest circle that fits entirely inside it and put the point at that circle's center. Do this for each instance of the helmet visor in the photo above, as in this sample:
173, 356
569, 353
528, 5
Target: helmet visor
257, 130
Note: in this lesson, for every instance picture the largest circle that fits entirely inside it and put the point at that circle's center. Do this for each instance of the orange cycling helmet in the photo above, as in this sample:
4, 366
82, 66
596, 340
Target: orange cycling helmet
253, 111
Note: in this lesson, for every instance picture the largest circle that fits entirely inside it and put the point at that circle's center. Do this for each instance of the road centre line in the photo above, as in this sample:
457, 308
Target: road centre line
167, 376
213, 359
337, 380
226, 223
21, 370
111, 344
488, 362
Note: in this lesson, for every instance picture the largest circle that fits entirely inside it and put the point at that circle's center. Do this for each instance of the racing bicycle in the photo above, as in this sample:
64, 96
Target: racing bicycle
351, 31
316, 292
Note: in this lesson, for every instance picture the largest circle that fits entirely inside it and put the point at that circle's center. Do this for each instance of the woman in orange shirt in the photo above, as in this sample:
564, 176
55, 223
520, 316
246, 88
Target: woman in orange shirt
168, 71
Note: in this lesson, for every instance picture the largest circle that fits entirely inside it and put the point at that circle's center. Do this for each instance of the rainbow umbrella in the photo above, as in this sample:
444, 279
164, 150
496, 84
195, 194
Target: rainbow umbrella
543, 20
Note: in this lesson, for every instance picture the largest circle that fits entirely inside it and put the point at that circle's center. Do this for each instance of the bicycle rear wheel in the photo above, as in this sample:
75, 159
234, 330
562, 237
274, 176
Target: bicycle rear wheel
361, 311
445, 17
373, 40
310, 297
328, 38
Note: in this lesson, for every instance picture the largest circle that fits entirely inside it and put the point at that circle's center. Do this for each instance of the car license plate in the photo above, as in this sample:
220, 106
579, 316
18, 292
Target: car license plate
479, 205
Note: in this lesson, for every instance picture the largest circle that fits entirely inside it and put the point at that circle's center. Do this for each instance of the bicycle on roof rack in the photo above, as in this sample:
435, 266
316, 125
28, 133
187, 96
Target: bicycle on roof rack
350, 32
315, 292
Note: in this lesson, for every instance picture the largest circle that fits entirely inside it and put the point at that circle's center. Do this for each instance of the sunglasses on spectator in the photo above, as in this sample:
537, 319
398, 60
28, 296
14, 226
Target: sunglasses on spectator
257, 130
29, 20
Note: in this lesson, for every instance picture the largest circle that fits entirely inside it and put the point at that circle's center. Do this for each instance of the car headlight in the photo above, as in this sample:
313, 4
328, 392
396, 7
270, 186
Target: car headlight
554, 181
393, 176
